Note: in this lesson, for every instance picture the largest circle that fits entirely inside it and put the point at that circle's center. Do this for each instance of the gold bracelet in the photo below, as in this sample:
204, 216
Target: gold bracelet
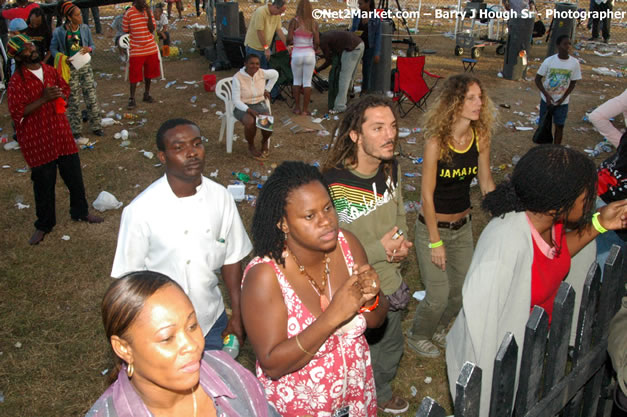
301, 346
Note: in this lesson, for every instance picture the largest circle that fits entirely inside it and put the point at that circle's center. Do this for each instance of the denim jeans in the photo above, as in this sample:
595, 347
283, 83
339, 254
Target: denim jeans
367, 81
350, 60
213, 339
264, 65
444, 288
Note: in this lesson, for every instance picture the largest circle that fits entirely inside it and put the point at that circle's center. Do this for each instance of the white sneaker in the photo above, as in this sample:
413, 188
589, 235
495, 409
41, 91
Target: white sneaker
82, 141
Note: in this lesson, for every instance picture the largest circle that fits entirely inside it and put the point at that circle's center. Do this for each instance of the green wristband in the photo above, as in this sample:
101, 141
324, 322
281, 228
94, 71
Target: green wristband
437, 244
597, 224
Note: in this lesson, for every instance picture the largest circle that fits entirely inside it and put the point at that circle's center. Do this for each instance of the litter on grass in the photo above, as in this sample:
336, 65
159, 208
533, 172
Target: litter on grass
106, 201
420, 295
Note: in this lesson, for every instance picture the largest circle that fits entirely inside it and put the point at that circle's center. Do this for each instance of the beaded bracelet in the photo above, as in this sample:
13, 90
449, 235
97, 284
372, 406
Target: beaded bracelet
372, 307
597, 224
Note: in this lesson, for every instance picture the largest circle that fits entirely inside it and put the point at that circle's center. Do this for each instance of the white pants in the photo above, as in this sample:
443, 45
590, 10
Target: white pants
303, 67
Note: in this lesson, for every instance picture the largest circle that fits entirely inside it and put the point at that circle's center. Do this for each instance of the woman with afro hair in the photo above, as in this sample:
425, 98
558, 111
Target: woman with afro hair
525, 252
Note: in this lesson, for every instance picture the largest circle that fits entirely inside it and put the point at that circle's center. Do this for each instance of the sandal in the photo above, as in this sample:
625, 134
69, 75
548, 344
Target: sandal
131, 103
296, 112
148, 99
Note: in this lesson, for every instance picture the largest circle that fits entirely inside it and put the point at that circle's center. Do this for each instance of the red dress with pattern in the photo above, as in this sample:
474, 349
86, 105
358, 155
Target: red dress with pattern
44, 134
338, 375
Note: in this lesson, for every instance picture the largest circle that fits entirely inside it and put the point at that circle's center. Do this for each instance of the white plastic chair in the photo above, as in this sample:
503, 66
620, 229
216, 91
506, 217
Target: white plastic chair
224, 92
125, 43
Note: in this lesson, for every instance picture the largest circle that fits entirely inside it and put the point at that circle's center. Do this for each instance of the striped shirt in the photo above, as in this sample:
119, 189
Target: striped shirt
233, 389
135, 23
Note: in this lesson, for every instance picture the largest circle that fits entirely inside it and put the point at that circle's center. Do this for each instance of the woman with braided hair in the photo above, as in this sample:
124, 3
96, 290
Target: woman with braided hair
524, 253
73, 39
307, 299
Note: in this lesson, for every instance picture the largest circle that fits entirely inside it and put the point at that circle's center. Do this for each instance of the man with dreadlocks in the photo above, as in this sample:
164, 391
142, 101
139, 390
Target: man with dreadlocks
46, 140
364, 179
524, 254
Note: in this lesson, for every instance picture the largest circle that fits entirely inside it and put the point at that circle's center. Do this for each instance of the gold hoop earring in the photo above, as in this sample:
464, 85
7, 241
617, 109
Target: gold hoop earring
130, 370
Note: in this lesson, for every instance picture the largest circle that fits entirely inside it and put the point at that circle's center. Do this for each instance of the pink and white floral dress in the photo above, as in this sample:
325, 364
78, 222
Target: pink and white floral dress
338, 375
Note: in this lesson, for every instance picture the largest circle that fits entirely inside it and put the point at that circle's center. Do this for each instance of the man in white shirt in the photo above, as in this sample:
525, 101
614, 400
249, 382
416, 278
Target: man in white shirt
187, 227
560, 72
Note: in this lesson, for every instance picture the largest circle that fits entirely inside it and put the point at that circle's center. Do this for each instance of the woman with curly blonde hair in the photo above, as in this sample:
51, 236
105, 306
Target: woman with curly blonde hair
457, 148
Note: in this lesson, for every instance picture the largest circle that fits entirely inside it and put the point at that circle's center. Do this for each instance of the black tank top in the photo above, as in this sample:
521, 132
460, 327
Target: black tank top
452, 185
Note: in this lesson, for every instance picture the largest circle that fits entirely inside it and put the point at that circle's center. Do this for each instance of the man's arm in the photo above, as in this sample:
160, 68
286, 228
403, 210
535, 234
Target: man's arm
570, 89
547, 96
18, 107
133, 245
151, 20
232, 277
328, 57
126, 22
281, 35
262, 37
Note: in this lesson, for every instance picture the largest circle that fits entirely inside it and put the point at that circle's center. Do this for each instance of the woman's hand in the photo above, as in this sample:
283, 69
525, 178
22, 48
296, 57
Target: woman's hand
347, 300
438, 257
368, 279
614, 215
85, 50
252, 112
266, 94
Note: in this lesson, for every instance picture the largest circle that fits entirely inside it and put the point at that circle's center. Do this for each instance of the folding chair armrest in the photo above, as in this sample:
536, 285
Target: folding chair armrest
432, 75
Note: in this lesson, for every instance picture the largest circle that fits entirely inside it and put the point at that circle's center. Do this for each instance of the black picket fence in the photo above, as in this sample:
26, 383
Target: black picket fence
553, 379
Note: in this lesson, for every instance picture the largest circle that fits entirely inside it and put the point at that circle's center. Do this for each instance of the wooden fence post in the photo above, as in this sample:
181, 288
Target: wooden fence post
502, 397
587, 314
468, 391
430, 408
557, 350
532, 361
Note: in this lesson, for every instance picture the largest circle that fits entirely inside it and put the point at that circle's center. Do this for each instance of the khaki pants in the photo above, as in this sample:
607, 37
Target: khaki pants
444, 288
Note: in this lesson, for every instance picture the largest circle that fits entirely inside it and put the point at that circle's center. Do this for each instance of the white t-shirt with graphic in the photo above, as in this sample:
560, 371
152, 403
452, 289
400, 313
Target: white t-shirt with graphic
558, 73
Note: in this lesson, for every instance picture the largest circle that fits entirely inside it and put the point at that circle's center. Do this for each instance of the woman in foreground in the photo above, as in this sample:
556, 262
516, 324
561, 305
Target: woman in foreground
307, 299
161, 370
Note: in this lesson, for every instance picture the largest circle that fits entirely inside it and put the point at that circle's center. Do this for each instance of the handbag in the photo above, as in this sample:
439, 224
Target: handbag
400, 298
544, 133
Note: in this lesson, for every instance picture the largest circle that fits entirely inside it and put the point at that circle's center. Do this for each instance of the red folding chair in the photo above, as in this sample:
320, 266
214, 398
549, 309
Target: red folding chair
410, 84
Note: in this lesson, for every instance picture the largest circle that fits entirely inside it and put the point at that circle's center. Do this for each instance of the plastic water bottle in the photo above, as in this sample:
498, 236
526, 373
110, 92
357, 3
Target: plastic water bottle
242, 177
230, 345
